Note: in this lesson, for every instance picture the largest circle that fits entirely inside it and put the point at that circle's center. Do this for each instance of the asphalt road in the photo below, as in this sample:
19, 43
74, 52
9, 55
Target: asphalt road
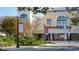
55, 48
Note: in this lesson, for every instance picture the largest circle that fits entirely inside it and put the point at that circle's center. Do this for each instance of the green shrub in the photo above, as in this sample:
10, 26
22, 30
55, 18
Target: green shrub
23, 41
27, 40
30, 40
6, 41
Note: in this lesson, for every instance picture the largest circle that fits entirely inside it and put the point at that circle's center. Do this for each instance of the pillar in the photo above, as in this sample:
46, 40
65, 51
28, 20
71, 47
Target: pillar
56, 36
69, 35
65, 36
50, 36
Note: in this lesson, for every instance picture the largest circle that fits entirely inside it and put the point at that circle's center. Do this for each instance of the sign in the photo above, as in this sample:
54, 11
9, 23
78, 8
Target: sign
20, 27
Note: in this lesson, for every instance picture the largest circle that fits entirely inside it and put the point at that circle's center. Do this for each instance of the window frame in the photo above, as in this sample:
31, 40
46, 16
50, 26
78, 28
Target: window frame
62, 21
49, 21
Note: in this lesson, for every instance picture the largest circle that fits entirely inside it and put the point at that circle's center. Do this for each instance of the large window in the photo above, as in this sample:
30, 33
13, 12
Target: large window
24, 17
49, 21
61, 21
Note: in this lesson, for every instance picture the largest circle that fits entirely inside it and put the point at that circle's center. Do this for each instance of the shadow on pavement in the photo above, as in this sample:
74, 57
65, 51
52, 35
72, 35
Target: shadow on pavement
3, 50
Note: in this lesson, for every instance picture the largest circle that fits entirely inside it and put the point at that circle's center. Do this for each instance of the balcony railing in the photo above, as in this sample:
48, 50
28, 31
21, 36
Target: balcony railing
58, 27
61, 29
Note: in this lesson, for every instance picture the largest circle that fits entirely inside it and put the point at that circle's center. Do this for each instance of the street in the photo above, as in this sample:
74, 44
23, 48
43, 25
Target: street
55, 48
59, 46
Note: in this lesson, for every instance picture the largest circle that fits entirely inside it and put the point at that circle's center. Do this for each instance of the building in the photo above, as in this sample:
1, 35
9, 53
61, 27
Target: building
25, 22
55, 25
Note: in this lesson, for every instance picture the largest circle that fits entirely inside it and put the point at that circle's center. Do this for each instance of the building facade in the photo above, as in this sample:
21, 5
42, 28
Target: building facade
25, 22
55, 25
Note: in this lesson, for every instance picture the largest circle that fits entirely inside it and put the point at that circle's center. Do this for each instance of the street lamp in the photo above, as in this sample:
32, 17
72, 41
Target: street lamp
17, 34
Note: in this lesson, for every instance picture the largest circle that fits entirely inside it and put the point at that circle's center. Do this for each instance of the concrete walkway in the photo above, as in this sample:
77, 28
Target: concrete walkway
63, 43
58, 46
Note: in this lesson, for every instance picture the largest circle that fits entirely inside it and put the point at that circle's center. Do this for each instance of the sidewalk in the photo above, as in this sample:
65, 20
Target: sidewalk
63, 43
58, 45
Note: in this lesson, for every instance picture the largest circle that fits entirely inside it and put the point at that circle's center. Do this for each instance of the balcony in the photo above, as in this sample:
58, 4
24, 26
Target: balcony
62, 29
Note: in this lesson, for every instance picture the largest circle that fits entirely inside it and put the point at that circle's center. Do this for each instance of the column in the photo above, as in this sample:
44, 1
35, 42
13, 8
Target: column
69, 35
50, 36
56, 36
65, 36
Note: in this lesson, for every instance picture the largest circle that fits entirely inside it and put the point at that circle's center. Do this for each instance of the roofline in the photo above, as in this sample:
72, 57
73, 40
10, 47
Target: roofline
58, 10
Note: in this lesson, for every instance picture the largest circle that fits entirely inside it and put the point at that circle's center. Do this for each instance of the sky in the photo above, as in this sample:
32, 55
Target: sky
8, 11
11, 11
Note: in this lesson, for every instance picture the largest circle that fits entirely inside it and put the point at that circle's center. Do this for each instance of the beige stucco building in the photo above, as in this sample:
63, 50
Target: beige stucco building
55, 25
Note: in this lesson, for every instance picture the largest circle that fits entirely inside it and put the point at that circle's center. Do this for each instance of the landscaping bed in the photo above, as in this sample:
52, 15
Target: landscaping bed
30, 41
9, 41
6, 41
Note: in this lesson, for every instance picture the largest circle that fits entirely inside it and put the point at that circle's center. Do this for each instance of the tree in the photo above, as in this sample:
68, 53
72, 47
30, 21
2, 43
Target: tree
8, 25
75, 19
35, 10
72, 9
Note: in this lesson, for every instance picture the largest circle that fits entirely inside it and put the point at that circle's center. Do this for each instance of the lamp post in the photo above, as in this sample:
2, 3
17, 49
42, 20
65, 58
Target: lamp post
17, 34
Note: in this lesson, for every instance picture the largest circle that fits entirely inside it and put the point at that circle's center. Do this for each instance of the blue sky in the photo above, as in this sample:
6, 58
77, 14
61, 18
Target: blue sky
12, 11
8, 11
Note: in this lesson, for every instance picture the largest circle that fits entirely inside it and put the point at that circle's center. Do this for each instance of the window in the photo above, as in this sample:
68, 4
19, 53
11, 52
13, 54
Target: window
49, 21
61, 21
24, 17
